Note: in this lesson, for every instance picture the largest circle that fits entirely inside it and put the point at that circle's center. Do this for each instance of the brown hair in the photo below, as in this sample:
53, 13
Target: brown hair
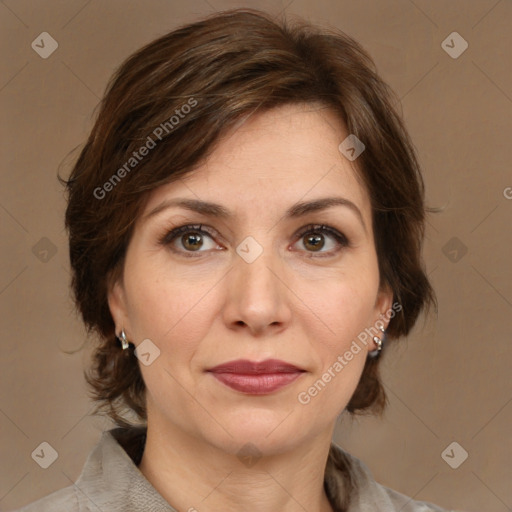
224, 67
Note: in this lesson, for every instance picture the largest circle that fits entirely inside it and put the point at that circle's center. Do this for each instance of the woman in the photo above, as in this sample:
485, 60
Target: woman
245, 228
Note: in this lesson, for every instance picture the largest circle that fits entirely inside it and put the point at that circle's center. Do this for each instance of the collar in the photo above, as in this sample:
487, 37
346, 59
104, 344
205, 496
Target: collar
111, 480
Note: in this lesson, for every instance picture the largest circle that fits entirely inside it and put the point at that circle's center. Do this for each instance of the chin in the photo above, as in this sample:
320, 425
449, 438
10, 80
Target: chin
252, 442
270, 431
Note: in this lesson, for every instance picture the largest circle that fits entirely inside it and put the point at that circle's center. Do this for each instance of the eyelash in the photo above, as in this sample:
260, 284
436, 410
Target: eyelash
173, 234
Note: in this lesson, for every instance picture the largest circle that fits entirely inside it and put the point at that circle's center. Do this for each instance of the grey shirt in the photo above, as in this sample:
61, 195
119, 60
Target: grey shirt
111, 482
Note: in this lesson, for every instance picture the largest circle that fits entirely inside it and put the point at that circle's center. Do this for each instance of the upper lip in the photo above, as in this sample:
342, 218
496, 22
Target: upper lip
246, 367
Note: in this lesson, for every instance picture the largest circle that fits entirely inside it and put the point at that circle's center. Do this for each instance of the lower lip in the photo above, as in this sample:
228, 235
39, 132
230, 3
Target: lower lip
260, 384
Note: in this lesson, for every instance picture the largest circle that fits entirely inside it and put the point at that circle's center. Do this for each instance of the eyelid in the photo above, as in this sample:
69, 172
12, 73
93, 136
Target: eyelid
172, 233
321, 228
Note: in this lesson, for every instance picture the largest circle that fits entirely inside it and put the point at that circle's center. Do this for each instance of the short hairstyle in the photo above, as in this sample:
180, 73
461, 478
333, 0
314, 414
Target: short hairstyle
176, 97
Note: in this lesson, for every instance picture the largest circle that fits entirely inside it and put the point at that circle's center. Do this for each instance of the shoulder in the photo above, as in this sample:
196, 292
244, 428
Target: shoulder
344, 472
72, 498
110, 480
63, 500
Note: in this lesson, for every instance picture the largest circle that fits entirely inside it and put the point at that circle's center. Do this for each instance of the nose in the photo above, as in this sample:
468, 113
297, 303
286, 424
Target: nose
257, 300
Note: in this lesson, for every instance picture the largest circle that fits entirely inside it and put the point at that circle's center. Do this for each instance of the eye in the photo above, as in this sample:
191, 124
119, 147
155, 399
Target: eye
189, 239
316, 237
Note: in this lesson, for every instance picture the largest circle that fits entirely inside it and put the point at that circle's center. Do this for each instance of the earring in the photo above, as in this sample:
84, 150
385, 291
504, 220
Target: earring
124, 342
379, 342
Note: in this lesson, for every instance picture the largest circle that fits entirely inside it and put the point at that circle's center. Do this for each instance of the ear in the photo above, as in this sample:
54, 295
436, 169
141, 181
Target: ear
118, 305
383, 303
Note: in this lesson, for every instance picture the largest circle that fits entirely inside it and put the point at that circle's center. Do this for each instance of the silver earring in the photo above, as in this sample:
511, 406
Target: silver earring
123, 340
378, 341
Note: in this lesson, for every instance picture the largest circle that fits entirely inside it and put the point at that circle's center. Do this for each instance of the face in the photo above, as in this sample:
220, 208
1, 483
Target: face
274, 271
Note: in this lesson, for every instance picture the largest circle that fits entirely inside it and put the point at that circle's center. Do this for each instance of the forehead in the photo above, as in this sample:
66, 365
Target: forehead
271, 160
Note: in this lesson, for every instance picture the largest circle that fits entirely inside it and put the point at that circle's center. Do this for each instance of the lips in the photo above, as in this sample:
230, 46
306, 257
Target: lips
244, 366
256, 378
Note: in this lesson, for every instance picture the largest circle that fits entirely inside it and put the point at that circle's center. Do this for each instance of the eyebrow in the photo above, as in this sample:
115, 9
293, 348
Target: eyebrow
295, 211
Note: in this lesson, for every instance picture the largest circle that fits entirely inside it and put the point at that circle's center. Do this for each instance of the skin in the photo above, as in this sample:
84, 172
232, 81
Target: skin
297, 302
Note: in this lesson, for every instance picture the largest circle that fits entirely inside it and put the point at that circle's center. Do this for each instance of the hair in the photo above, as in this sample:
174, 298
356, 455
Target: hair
177, 97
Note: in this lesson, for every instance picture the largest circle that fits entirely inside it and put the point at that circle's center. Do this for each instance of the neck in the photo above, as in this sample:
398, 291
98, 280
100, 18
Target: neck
192, 475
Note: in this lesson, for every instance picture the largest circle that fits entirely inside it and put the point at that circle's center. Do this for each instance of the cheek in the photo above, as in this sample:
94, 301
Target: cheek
165, 306
342, 306
342, 311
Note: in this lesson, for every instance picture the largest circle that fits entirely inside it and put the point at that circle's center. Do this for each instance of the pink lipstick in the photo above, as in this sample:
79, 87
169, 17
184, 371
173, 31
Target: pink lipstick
256, 378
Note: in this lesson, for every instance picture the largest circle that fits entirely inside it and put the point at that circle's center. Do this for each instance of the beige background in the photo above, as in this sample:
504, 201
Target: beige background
448, 382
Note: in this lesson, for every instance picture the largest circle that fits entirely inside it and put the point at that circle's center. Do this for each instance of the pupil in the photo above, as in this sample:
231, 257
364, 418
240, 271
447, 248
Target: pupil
315, 241
192, 241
